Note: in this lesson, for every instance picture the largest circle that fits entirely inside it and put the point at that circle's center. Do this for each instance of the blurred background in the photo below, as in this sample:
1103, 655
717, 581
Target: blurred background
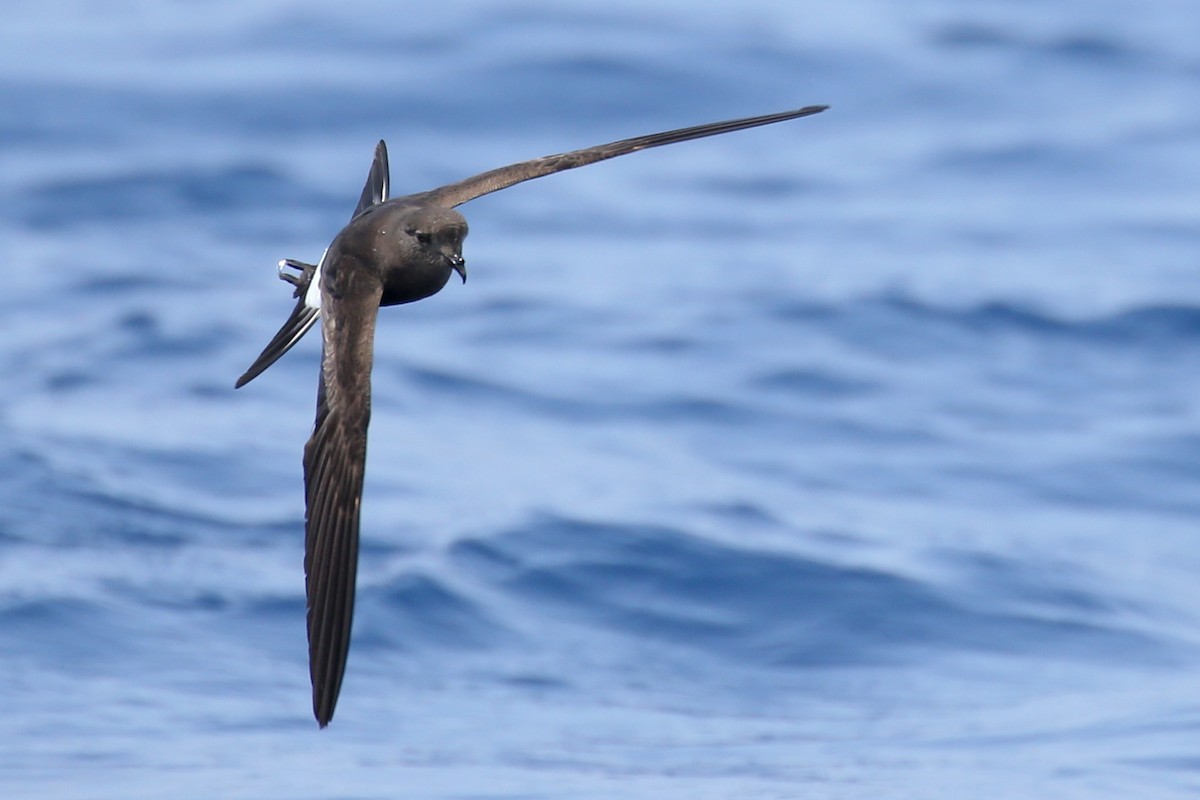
852, 457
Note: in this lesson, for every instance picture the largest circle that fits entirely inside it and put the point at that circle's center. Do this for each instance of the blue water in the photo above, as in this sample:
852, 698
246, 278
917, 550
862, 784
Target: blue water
853, 457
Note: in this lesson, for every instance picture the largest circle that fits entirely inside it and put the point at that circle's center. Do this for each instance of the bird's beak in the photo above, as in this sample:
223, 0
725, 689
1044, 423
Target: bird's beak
459, 265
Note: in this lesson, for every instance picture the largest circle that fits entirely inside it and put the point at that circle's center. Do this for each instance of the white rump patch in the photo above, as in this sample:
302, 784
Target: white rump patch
312, 298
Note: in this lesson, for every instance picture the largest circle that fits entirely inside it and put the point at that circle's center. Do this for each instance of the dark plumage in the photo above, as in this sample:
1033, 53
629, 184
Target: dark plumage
392, 251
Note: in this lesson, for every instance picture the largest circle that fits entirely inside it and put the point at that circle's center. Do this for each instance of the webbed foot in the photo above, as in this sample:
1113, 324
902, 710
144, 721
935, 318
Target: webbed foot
302, 279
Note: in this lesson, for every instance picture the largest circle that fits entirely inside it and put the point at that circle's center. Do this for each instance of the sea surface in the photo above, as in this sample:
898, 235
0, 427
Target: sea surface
852, 457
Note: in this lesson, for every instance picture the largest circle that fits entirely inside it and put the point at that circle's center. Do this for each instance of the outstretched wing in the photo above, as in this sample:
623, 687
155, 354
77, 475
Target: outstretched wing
494, 180
333, 473
304, 316
378, 181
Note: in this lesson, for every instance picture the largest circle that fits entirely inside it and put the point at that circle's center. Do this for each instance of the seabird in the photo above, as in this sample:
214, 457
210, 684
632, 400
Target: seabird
393, 251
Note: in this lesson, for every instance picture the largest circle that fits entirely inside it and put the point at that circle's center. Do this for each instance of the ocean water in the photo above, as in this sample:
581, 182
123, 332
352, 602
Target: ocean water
853, 457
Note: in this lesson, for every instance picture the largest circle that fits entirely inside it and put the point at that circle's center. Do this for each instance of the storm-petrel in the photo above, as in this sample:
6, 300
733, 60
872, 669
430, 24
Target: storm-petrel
392, 251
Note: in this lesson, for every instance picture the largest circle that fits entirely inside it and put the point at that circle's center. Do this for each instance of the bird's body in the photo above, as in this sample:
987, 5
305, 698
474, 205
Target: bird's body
392, 251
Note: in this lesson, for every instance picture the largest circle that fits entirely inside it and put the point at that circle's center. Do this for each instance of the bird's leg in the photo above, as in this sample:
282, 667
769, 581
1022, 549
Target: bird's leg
300, 280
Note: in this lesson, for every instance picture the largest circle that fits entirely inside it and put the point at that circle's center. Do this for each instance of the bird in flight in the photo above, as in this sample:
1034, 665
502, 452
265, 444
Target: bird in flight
394, 250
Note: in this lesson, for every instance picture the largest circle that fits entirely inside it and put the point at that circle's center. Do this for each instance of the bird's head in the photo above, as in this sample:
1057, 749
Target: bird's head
437, 235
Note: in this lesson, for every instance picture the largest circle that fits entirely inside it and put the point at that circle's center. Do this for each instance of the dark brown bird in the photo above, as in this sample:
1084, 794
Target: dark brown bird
392, 251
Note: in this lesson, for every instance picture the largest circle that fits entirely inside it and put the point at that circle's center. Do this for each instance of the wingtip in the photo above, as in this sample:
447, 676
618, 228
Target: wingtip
247, 376
322, 714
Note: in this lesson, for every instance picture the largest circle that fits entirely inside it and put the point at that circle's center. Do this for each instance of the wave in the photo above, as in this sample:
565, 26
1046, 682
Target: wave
769, 609
158, 194
1154, 323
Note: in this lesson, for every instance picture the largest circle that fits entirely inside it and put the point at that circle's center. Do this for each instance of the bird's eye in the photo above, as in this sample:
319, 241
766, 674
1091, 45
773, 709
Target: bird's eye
424, 237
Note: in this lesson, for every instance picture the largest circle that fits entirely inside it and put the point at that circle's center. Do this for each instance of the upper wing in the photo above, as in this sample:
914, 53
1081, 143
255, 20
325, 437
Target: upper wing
374, 192
494, 180
378, 183
334, 459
